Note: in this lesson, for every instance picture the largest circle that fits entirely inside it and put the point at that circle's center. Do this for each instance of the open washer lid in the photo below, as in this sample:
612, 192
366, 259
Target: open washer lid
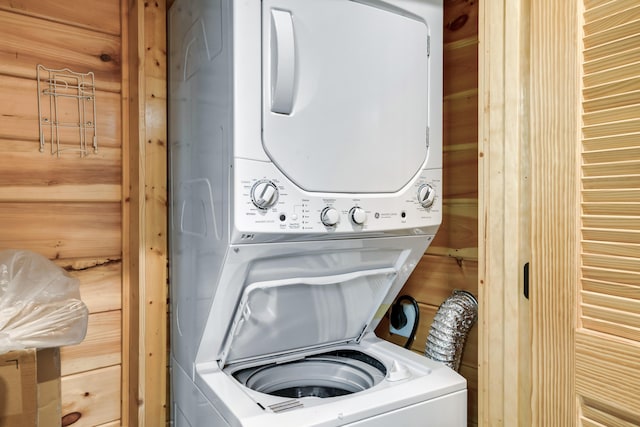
277, 317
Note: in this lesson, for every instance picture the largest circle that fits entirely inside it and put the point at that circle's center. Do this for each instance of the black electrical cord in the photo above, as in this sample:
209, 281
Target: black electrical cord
399, 319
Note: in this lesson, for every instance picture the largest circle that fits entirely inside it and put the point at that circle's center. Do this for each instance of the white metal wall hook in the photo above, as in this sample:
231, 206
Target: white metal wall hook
66, 110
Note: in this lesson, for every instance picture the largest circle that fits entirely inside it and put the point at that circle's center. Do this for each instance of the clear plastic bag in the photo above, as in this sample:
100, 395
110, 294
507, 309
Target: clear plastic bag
40, 303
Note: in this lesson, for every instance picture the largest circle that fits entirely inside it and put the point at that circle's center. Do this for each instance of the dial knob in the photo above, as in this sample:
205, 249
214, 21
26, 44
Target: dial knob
264, 194
329, 216
358, 215
426, 195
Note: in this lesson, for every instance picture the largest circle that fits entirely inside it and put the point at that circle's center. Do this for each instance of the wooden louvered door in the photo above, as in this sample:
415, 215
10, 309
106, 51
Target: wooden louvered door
586, 212
608, 334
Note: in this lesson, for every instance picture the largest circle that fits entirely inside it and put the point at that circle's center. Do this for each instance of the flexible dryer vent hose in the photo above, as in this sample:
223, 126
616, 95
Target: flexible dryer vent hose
450, 328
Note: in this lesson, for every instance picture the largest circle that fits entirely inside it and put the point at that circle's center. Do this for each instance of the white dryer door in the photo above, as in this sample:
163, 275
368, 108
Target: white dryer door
345, 94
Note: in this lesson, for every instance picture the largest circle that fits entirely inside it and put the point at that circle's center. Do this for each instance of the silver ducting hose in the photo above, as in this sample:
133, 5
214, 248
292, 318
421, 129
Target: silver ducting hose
450, 328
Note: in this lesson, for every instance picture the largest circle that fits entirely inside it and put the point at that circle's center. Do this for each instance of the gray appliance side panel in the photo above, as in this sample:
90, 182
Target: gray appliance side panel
200, 158
191, 408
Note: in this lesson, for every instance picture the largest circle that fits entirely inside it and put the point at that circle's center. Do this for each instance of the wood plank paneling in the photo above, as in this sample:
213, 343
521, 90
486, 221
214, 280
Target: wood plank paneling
19, 114
28, 41
461, 163
458, 234
93, 395
461, 65
436, 277
460, 20
33, 176
60, 230
68, 208
98, 15
101, 347
100, 285
460, 115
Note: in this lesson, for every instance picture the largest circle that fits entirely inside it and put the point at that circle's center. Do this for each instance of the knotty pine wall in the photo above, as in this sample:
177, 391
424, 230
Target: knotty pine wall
69, 208
451, 262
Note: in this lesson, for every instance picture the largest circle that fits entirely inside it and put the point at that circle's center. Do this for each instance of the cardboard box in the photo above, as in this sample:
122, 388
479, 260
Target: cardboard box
30, 388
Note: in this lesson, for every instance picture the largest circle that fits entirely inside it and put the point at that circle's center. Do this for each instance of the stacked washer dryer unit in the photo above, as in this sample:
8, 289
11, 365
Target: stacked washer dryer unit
306, 162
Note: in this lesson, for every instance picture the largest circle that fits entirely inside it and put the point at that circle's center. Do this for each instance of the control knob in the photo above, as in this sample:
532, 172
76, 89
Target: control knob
357, 215
426, 195
329, 216
264, 194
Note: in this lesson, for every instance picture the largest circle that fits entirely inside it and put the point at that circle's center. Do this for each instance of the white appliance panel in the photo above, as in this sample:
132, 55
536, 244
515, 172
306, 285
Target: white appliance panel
345, 94
444, 411
299, 213
430, 389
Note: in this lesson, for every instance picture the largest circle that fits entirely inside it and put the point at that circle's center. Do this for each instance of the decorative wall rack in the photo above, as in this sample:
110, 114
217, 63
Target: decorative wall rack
67, 111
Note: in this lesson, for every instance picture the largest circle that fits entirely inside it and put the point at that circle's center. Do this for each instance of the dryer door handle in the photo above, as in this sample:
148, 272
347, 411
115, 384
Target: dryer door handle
283, 61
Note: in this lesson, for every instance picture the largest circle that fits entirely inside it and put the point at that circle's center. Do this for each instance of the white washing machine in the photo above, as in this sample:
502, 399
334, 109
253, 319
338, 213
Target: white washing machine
305, 182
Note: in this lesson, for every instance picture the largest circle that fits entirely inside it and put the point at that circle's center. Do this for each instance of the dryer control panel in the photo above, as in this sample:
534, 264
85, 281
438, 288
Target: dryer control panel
267, 202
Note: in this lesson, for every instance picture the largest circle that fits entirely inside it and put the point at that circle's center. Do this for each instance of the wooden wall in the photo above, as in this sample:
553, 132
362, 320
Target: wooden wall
451, 262
69, 208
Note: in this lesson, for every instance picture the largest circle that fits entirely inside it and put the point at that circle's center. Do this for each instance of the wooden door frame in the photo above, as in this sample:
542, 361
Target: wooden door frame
504, 374
529, 119
145, 286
